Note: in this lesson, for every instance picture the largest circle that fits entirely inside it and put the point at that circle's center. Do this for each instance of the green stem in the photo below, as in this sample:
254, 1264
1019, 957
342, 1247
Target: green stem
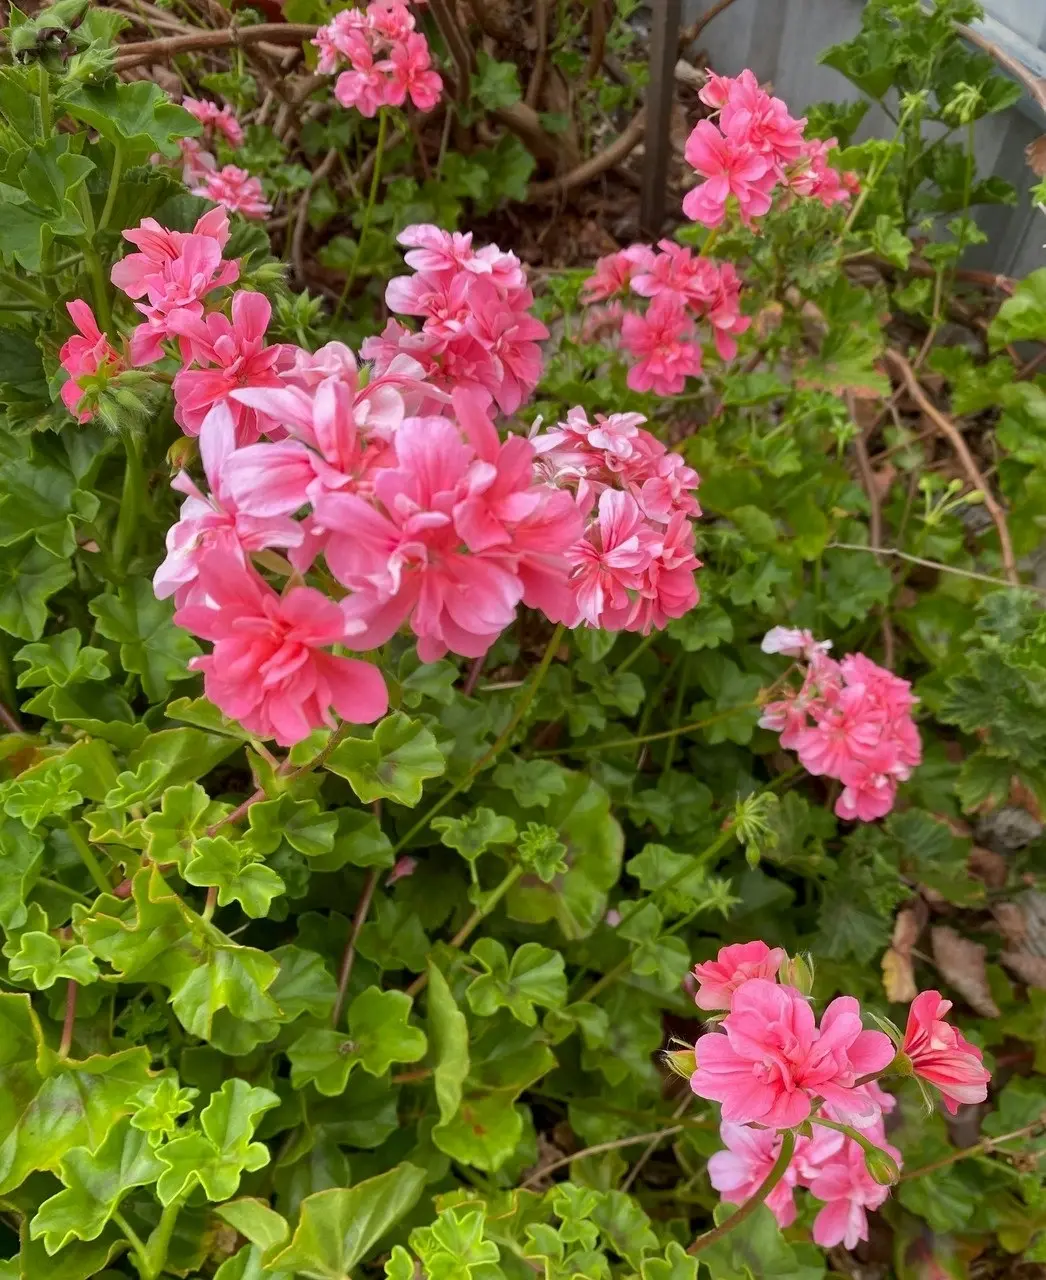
45, 101
368, 213
502, 740
784, 1159
128, 521
475, 919
135, 1241
698, 860
23, 287
114, 182
160, 1240
647, 737
677, 715
637, 652
98, 288
57, 887
87, 857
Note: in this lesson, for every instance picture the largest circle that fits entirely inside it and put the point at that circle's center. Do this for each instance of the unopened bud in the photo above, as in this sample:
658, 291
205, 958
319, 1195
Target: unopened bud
681, 1062
182, 453
901, 1065
881, 1166
798, 971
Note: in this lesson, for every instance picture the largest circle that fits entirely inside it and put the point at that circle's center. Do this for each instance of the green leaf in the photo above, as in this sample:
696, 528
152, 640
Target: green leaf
29, 576
216, 1155
255, 1221
495, 84
378, 1035
21, 857
532, 782
40, 960
184, 814
232, 869
95, 1184
303, 984
299, 822
535, 976
338, 1228
138, 118
392, 764
542, 852
475, 832
484, 1133
448, 1035
49, 1105
154, 937
161, 1104
1023, 316
150, 644
43, 500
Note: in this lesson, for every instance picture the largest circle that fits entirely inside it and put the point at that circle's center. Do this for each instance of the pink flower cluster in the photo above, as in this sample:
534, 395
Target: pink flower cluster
389, 60
633, 569
229, 186
396, 476
755, 148
771, 1065
683, 289
849, 720
474, 304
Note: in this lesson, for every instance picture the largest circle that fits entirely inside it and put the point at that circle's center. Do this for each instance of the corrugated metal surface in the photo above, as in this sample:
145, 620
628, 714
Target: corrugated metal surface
780, 40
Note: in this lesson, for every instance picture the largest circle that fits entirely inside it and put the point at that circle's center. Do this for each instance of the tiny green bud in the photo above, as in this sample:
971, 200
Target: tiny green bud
901, 1065
182, 453
680, 1062
798, 971
881, 1166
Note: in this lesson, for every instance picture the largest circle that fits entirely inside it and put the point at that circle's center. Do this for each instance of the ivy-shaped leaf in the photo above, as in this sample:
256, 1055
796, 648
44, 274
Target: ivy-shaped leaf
61, 660
299, 822
231, 868
378, 1036
40, 960
449, 1037
150, 644
475, 832
184, 814
535, 976
216, 1155
95, 1183
392, 764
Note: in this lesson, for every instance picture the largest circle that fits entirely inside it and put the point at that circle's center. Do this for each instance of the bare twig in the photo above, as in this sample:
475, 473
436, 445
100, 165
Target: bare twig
655, 1142
689, 34
537, 75
349, 957
597, 38
954, 437
982, 1148
934, 564
277, 33
472, 678
600, 1147
9, 721
446, 20
875, 516
619, 150
301, 221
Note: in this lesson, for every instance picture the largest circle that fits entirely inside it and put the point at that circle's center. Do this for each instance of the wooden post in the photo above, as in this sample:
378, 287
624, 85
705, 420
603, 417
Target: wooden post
664, 51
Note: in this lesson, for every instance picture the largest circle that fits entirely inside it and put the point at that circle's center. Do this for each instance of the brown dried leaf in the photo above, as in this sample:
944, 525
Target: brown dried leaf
1029, 968
898, 973
987, 866
1010, 919
1035, 153
962, 963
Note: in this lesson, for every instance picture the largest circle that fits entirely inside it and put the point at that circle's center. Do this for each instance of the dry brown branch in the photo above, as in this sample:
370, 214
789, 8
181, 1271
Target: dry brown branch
689, 34
875, 513
275, 33
1035, 85
301, 221
597, 39
954, 437
445, 18
619, 149
537, 75
523, 121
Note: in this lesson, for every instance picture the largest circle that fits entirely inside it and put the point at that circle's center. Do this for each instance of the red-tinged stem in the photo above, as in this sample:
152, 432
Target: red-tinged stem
69, 1023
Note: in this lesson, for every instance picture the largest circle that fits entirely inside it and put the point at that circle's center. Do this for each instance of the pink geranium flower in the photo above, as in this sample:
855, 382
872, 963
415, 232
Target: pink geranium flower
269, 668
730, 168
718, 979
769, 1059
83, 356
236, 349
849, 1191
213, 521
614, 272
940, 1054
211, 116
662, 340
234, 189
611, 560
410, 74
739, 1171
